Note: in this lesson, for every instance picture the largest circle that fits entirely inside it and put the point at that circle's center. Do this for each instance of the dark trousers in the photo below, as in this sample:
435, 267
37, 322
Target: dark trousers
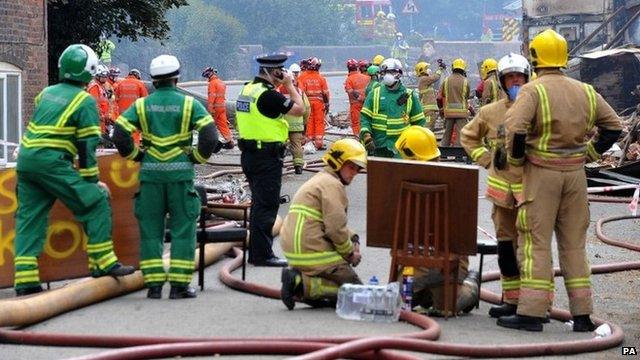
263, 169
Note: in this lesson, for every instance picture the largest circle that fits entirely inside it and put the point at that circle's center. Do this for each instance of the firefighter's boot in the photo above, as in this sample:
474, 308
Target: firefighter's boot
521, 322
291, 280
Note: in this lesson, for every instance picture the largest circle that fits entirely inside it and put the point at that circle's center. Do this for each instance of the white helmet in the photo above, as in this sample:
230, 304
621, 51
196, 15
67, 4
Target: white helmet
294, 68
390, 64
391, 16
390, 78
513, 63
102, 70
164, 67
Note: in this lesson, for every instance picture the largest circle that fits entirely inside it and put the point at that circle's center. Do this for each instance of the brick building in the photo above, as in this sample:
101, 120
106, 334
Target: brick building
23, 65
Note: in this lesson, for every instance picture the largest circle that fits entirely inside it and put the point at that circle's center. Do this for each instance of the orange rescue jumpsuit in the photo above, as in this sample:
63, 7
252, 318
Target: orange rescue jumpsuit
126, 92
315, 87
355, 85
217, 106
97, 90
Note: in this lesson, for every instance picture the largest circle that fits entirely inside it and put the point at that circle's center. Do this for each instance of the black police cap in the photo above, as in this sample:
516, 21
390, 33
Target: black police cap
272, 61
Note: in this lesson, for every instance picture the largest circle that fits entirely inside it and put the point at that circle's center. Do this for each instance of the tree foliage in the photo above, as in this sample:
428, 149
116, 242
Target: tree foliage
201, 35
302, 22
83, 21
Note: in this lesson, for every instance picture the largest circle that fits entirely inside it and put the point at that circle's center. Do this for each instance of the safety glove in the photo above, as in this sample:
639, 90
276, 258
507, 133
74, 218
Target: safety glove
369, 144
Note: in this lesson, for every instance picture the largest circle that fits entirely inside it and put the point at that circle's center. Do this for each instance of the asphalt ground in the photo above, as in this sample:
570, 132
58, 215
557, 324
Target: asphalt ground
222, 312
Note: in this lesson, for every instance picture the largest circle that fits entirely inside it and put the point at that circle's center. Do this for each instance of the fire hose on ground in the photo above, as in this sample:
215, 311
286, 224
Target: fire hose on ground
331, 347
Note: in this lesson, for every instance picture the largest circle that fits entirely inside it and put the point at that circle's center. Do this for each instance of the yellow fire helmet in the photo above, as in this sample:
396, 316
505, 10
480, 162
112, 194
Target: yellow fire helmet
421, 68
459, 64
418, 143
377, 60
345, 150
488, 65
548, 50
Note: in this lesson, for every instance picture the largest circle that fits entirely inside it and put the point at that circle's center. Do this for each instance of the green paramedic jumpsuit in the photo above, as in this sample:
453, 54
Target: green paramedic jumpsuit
166, 119
64, 124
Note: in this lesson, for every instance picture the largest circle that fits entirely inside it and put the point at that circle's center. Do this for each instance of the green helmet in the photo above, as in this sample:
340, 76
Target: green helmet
373, 70
77, 62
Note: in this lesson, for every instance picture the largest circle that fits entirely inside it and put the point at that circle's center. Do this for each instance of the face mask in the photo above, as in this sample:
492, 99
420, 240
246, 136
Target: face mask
513, 91
389, 79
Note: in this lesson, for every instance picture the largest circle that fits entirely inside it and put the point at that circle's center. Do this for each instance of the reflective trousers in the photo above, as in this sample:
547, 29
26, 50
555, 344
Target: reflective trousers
448, 130
50, 178
354, 112
430, 119
325, 285
153, 202
295, 146
220, 117
315, 124
554, 201
504, 222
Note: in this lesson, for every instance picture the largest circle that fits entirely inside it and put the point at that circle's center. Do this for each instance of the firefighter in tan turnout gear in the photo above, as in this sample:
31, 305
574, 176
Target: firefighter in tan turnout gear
491, 90
315, 238
426, 81
454, 91
483, 139
547, 128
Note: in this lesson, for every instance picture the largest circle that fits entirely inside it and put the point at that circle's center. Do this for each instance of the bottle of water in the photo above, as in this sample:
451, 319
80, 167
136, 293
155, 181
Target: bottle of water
407, 287
375, 303
374, 281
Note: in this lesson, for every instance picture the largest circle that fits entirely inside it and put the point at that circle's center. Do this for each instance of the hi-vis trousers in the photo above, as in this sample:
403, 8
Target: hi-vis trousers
504, 222
554, 200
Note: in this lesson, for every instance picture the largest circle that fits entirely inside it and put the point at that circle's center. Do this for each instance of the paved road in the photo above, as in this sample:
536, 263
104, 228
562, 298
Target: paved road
220, 311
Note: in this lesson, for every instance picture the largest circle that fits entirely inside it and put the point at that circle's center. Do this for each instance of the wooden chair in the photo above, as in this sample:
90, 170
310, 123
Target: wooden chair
421, 239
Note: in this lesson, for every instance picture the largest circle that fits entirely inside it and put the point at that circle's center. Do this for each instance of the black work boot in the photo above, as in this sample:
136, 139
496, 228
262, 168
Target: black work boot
155, 292
120, 270
503, 310
297, 169
583, 323
182, 292
288, 290
521, 322
28, 290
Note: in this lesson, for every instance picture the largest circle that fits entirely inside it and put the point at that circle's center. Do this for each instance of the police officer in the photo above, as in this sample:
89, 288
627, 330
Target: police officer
546, 130
166, 119
263, 132
65, 124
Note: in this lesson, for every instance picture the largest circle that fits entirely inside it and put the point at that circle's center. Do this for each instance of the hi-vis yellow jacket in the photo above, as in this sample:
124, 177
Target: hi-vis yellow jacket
314, 236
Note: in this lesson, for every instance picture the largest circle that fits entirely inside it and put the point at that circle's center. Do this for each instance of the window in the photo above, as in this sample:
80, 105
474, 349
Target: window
10, 110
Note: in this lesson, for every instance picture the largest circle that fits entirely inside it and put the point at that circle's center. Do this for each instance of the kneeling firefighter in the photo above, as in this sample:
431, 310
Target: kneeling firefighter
316, 241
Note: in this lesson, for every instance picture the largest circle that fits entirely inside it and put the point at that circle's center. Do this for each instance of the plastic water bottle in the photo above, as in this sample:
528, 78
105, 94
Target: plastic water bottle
407, 287
374, 281
375, 303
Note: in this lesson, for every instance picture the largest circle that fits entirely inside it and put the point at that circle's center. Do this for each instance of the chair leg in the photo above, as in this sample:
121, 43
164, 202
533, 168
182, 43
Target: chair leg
393, 270
244, 257
446, 285
201, 265
454, 289
480, 280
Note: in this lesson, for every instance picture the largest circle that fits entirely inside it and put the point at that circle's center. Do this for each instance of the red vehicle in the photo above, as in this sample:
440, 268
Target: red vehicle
366, 11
